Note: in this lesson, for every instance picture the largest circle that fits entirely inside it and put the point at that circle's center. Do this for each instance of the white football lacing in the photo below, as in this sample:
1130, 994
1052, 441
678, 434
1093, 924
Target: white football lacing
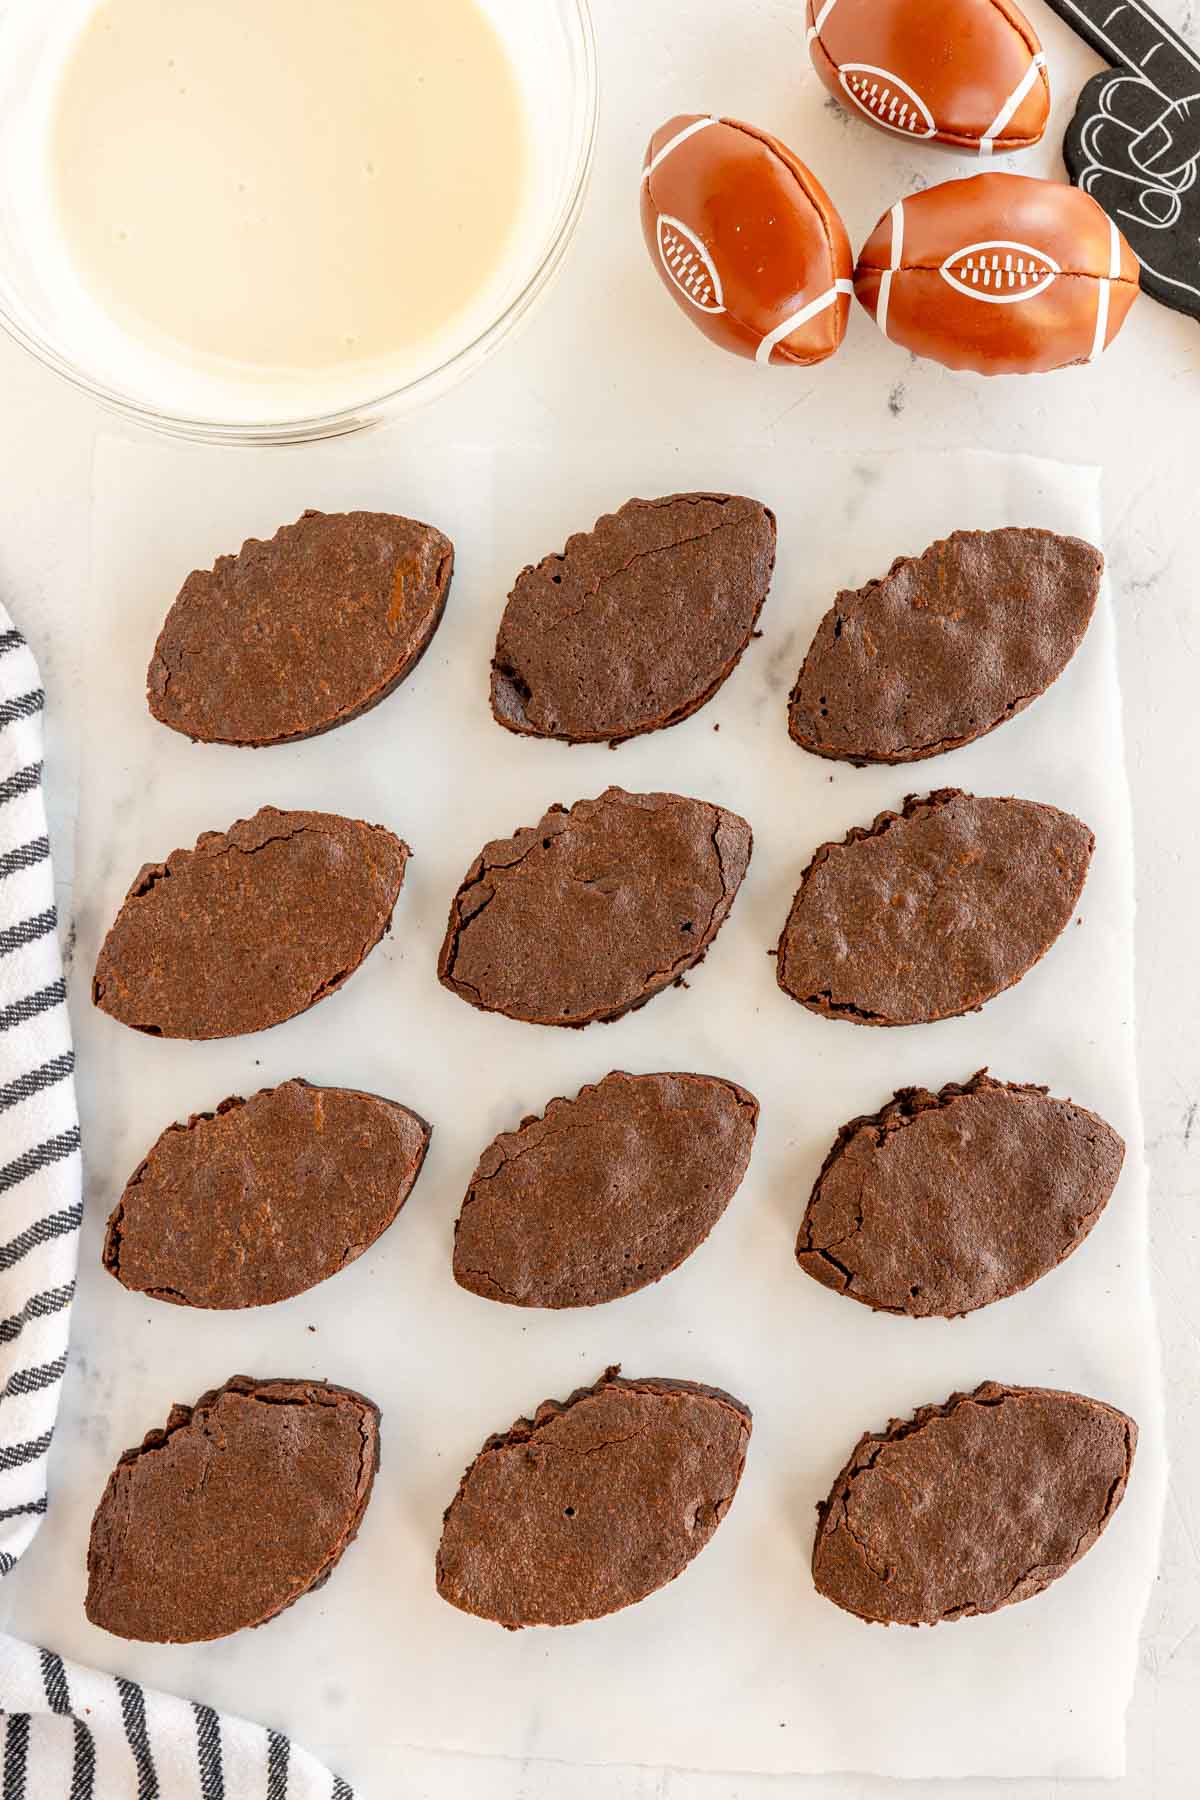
989, 271
688, 272
886, 104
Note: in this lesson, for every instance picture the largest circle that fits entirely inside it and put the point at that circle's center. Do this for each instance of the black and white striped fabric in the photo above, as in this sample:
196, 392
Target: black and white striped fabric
40, 1190
75, 1734
69, 1733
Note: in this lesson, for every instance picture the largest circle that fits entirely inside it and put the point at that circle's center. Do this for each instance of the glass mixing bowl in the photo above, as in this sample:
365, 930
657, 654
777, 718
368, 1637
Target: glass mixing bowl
552, 47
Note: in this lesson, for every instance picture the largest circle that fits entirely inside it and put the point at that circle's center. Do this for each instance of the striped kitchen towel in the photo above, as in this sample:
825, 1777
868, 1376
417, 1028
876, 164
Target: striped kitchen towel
74, 1734
41, 1205
69, 1733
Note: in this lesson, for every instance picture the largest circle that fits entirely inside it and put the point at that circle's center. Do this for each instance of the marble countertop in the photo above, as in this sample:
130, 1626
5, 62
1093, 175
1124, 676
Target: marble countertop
607, 356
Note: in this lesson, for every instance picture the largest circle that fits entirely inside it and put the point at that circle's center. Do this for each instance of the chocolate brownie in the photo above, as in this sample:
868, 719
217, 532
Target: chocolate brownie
253, 926
637, 622
605, 1193
264, 1197
970, 1506
237, 1507
946, 646
931, 911
941, 1203
593, 1504
296, 635
590, 913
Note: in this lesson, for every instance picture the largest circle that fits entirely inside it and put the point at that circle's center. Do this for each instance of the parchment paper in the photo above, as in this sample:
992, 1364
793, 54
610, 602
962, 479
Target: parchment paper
739, 1664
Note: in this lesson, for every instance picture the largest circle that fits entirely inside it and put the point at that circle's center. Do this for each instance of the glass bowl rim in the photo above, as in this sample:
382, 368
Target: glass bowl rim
341, 420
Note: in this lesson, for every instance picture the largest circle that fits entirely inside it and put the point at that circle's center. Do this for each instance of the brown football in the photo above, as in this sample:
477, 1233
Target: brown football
746, 240
934, 910
264, 1197
967, 73
251, 926
296, 635
604, 1193
942, 1203
232, 1511
1001, 274
594, 1503
971, 1505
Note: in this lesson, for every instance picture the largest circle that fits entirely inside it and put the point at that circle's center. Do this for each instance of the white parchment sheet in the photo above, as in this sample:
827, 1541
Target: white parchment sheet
738, 1664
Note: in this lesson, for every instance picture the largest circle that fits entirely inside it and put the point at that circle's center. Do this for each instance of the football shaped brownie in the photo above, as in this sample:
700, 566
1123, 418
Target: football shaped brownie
746, 240
1002, 274
967, 73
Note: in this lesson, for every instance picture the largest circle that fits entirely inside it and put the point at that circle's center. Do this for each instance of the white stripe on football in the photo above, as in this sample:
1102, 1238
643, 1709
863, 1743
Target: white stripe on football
689, 265
887, 99
999, 271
